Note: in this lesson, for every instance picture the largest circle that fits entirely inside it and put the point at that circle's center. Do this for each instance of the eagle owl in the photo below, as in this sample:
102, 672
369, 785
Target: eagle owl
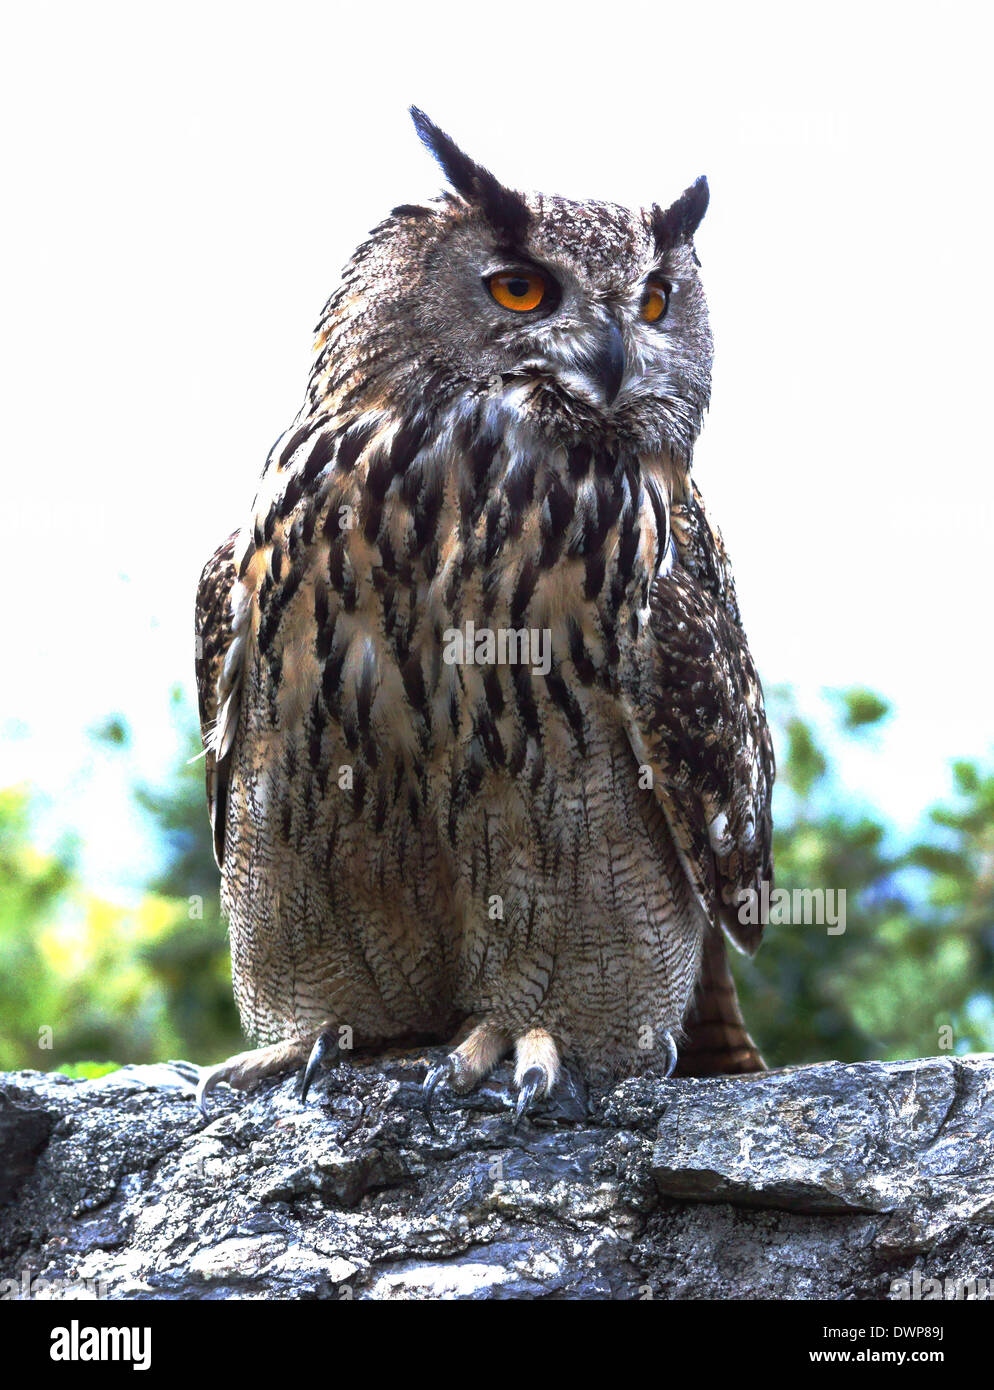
486, 750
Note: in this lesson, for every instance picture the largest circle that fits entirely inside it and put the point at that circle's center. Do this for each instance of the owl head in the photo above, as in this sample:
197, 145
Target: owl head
571, 319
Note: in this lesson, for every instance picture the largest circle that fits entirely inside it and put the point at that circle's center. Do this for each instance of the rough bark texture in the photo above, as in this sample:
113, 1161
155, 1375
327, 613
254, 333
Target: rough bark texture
825, 1181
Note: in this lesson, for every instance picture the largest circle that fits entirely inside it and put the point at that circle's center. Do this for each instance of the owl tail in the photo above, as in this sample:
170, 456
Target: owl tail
715, 1037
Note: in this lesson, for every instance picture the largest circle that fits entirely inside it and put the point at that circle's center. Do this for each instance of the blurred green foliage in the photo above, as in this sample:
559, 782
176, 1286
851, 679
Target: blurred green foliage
913, 973
84, 980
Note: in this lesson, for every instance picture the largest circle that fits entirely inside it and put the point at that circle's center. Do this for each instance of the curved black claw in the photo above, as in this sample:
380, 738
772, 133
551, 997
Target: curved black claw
671, 1057
323, 1043
436, 1075
533, 1081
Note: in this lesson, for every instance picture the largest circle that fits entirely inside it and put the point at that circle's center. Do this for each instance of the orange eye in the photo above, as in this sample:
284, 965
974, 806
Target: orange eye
655, 302
517, 289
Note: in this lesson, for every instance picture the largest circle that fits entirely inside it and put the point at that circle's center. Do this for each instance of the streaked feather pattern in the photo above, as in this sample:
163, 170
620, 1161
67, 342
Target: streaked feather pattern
372, 801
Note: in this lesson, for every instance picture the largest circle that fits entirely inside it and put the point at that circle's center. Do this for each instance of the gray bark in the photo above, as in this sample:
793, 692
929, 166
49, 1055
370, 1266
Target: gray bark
824, 1181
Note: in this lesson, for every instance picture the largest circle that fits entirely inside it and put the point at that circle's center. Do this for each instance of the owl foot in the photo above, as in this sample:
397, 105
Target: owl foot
247, 1069
467, 1064
536, 1070
325, 1043
537, 1066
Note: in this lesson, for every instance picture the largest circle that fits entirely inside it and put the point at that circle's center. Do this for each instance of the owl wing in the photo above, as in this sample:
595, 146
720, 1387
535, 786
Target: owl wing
697, 719
214, 637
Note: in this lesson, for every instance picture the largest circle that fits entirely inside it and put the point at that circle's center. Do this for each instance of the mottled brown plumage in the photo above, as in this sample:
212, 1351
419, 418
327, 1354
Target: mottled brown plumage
536, 845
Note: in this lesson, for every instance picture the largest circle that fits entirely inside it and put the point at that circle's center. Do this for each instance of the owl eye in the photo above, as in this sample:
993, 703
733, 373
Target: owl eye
520, 290
655, 301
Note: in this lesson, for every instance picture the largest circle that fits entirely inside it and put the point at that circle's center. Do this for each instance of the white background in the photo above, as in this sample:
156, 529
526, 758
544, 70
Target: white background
183, 182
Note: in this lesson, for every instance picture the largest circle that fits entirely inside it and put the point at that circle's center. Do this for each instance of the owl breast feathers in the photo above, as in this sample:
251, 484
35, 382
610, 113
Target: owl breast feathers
486, 748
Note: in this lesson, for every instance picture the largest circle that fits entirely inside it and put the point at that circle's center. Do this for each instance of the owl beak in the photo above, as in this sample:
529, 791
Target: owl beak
604, 362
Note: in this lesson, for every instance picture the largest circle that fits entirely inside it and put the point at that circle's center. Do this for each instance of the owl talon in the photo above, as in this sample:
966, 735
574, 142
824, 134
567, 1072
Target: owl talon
444, 1071
246, 1069
208, 1080
533, 1081
671, 1054
322, 1044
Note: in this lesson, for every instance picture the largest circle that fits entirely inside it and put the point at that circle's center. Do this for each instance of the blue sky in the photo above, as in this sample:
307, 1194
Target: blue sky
186, 185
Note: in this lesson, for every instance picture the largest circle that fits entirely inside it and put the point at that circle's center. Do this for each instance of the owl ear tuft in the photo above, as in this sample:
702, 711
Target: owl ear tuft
680, 221
505, 209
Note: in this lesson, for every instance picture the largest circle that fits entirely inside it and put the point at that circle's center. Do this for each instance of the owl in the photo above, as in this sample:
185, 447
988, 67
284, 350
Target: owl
487, 758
